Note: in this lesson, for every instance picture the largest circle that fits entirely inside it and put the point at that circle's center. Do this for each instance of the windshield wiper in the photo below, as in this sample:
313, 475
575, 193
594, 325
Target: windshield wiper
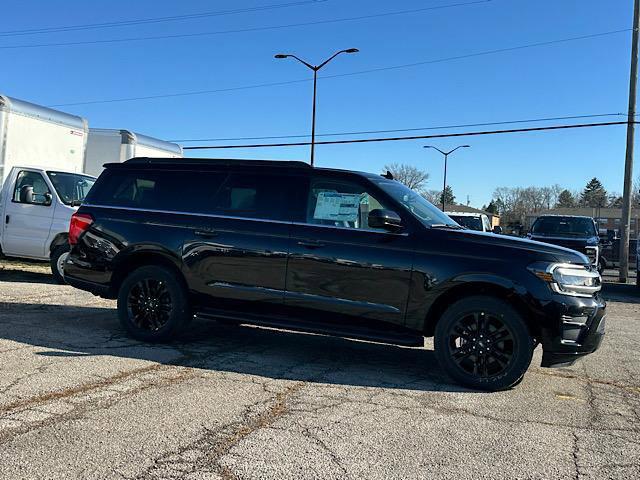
446, 225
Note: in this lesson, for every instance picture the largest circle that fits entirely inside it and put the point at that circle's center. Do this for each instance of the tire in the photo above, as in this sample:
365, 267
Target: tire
58, 257
153, 305
602, 264
483, 343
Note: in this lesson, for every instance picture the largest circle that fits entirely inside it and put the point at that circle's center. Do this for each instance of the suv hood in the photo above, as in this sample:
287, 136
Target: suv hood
534, 248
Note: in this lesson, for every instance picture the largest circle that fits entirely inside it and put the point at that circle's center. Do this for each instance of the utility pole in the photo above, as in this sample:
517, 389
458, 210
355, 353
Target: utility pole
625, 221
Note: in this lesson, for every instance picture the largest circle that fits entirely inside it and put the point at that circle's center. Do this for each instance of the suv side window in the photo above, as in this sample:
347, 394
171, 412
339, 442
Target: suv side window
341, 204
178, 191
253, 196
31, 184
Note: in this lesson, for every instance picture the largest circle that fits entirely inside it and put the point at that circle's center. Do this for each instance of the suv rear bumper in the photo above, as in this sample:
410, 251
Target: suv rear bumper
579, 331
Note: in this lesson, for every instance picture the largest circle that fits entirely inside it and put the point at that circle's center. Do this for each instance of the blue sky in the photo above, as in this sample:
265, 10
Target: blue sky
573, 78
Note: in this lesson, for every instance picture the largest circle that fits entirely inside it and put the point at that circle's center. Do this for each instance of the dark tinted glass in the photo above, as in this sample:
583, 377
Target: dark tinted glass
473, 223
182, 191
254, 196
574, 226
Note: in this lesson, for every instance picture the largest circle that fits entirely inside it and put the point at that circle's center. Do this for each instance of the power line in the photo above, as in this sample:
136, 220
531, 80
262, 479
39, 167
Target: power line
369, 132
143, 21
414, 137
339, 75
241, 30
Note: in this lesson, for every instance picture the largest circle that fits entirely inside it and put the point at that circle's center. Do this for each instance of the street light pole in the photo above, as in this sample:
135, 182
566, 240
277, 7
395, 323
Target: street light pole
446, 157
315, 69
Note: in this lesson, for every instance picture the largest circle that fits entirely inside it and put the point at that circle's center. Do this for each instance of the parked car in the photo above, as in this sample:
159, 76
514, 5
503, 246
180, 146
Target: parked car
358, 255
474, 221
571, 231
36, 206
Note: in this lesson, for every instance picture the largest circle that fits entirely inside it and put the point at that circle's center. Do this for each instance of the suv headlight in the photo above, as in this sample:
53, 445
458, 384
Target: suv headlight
568, 278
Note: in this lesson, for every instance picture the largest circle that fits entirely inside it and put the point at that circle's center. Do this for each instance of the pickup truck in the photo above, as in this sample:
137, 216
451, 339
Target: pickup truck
36, 206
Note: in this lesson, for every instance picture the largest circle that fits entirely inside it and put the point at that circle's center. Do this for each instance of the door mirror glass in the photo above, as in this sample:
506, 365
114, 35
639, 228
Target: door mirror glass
387, 219
497, 230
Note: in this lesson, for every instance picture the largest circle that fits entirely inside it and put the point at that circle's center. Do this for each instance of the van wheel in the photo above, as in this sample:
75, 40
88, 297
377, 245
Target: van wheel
483, 343
58, 257
153, 306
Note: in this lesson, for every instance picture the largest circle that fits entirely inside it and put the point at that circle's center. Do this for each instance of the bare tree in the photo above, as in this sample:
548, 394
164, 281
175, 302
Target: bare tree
432, 196
411, 176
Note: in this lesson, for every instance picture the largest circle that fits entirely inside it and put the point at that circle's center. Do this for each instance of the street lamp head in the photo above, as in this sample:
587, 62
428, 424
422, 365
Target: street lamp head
351, 50
466, 146
428, 146
281, 55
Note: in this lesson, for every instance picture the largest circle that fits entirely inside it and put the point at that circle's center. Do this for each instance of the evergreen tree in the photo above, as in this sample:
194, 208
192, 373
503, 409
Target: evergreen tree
449, 197
491, 208
594, 195
566, 200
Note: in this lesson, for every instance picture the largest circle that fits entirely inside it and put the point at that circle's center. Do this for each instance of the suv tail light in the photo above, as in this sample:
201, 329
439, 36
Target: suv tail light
80, 223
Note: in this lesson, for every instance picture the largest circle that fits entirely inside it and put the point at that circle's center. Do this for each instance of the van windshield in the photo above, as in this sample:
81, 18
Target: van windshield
416, 204
71, 187
564, 226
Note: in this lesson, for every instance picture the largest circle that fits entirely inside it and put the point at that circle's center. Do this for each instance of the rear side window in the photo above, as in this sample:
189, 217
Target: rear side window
253, 196
219, 193
180, 191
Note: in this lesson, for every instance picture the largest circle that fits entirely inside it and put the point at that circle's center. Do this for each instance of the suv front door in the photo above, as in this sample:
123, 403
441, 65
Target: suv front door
339, 268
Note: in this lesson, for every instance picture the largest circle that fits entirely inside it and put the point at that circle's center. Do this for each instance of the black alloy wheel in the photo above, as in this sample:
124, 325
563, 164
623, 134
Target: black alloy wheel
149, 304
153, 304
483, 343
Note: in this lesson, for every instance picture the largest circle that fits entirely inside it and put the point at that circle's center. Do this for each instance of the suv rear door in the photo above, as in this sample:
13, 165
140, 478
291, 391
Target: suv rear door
339, 268
236, 254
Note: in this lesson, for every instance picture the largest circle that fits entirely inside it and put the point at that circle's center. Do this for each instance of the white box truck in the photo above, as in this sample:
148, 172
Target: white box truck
42, 155
113, 146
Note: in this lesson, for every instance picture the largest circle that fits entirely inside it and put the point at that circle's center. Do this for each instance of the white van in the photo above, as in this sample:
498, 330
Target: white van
36, 205
41, 163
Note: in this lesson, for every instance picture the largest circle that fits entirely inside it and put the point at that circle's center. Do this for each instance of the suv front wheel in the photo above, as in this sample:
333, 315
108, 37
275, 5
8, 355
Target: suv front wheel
483, 343
153, 305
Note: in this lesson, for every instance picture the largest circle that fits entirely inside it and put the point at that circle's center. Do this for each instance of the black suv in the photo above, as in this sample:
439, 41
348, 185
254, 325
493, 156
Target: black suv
358, 255
571, 231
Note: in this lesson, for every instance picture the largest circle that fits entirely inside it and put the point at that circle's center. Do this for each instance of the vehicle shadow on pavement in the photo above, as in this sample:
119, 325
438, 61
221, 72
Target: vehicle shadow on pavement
620, 292
72, 331
21, 276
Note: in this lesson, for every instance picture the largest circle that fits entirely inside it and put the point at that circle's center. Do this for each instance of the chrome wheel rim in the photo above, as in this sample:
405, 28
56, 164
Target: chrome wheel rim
60, 263
481, 344
149, 304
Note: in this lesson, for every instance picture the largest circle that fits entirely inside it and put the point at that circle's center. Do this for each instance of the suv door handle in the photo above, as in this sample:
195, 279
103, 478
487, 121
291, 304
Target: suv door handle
311, 244
6, 219
205, 233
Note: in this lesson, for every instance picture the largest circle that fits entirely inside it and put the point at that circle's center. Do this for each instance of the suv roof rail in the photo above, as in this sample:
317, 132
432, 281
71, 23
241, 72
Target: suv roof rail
217, 162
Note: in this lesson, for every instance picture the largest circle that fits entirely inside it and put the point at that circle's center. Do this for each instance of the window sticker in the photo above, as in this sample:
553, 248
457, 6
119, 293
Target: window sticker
340, 207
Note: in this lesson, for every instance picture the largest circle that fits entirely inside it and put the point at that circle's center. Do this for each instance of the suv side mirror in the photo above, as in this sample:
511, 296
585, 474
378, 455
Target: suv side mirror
387, 219
497, 230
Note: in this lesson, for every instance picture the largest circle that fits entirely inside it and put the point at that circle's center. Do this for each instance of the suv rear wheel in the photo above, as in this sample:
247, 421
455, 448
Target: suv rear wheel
153, 305
483, 343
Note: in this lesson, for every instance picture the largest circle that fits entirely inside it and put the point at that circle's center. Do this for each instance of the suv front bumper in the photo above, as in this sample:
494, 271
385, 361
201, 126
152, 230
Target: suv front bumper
578, 330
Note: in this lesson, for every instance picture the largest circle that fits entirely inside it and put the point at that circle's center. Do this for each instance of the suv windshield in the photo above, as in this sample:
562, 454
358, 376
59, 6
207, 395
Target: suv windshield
415, 203
573, 226
71, 187
473, 223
